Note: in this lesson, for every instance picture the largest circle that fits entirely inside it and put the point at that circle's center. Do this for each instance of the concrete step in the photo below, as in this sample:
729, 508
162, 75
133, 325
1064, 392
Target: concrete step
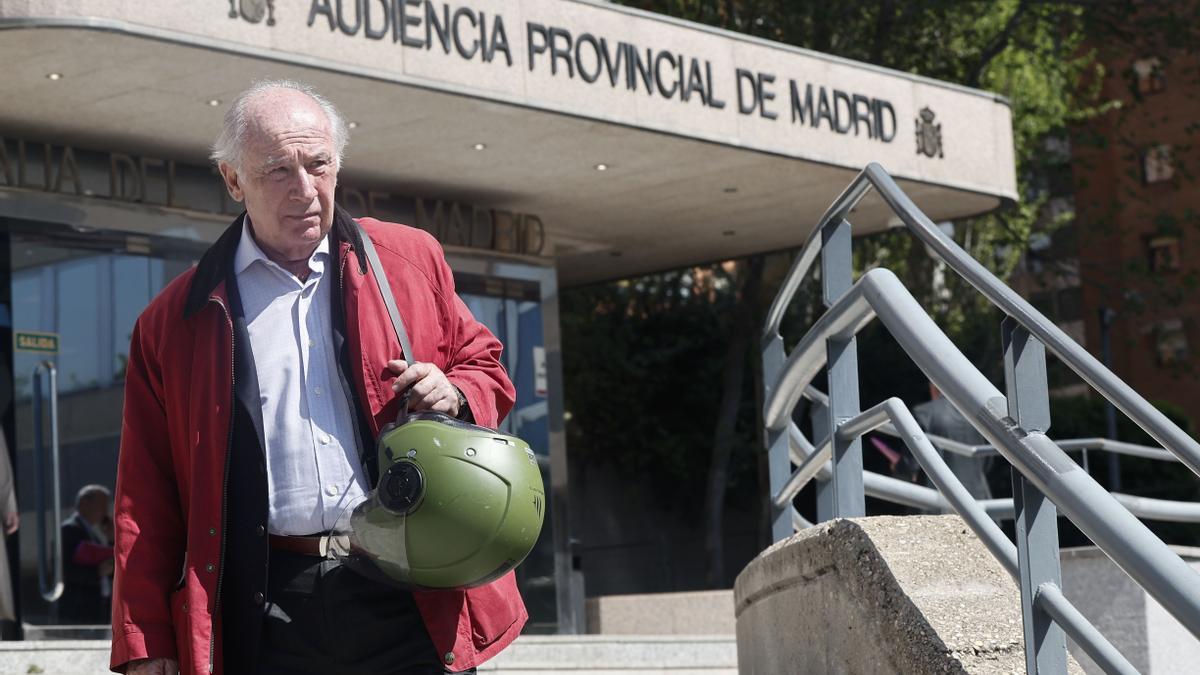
529, 655
54, 657
617, 654
51, 633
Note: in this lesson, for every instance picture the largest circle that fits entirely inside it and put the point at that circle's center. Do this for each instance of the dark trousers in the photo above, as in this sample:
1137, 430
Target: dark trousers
82, 604
322, 617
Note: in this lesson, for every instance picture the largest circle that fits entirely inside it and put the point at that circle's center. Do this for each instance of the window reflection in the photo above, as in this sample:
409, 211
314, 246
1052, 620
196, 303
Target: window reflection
90, 300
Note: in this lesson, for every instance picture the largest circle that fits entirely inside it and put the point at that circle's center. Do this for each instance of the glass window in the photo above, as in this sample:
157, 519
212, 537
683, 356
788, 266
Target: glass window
1170, 342
79, 304
133, 286
1148, 76
29, 297
1164, 253
1158, 166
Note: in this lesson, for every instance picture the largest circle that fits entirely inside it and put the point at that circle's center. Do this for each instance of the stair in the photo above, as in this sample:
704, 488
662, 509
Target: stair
529, 655
617, 654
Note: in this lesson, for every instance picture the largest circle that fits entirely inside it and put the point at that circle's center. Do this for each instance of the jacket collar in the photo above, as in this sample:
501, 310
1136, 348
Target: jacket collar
216, 265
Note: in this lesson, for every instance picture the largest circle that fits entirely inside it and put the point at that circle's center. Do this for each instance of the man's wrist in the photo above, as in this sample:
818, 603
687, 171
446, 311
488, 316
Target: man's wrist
464, 406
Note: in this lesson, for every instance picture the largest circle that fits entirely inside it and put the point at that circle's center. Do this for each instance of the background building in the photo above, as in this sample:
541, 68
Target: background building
1138, 219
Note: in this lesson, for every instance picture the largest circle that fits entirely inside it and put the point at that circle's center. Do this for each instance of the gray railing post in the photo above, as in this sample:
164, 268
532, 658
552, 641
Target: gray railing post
1036, 516
819, 414
779, 465
837, 276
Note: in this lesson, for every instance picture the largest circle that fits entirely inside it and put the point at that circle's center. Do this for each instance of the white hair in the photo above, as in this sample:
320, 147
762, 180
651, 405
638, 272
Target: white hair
91, 491
228, 146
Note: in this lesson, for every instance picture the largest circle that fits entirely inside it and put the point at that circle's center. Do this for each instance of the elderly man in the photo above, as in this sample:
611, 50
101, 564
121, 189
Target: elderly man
257, 384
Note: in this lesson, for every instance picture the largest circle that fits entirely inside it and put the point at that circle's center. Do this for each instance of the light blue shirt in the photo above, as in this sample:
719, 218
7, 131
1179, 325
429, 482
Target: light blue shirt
313, 470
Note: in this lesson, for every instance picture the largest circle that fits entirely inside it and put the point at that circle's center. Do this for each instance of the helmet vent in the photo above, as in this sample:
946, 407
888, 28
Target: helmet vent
401, 488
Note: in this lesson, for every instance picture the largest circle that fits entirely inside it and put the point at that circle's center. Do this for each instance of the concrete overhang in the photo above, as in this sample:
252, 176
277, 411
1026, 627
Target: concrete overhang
687, 181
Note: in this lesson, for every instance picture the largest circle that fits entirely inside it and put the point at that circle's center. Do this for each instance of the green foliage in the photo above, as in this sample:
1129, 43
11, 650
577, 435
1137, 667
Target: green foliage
1082, 417
1030, 53
642, 362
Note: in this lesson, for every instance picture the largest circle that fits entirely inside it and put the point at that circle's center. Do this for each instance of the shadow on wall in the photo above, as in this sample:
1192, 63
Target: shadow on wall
631, 543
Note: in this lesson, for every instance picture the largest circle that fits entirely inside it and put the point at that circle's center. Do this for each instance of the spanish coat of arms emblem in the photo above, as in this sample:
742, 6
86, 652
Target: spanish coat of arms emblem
929, 135
253, 11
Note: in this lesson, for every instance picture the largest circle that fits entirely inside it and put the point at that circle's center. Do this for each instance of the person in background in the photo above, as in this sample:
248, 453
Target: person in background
938, 417
10, 520
87, 560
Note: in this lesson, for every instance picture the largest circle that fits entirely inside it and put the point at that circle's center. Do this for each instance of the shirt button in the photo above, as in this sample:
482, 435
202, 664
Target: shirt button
317, 391
448, 658
209, 567
331, 490
259, 599
312, 342
212, 531
260, 530
324, 439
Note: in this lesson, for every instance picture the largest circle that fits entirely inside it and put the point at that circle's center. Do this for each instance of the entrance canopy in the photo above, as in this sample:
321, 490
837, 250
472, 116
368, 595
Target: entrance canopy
641, 143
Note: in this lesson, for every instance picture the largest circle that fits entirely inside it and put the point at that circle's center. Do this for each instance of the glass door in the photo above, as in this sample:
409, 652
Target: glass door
512, 310
72, 301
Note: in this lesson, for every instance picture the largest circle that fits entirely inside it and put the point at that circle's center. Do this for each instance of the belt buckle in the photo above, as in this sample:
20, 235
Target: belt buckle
333, 546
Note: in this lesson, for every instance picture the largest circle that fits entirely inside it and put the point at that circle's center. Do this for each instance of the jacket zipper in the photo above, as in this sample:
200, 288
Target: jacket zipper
342, 268
212, 638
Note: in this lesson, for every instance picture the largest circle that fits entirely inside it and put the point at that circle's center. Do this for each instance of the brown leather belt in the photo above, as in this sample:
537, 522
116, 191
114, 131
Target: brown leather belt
318, 546
299, 545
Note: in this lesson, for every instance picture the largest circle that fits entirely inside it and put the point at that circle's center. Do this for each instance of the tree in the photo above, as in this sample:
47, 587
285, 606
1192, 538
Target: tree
1035, 53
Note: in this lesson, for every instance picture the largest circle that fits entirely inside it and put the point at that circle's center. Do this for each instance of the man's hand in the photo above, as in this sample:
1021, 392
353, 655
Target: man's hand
153, 667
11, 522
430, 388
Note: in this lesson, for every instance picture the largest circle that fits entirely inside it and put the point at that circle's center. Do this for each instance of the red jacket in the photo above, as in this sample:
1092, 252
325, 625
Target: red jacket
177, 428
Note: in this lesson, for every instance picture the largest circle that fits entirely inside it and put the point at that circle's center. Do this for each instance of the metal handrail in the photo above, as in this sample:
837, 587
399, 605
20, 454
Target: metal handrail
1013, 426
1067, 444
916, 496
982, 450
1145, 415
893, 412
1129, 543
1097, 513
50, 585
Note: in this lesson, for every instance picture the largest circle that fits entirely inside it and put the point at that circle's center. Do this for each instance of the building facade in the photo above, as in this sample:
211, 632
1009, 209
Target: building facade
1137, 205
545, 143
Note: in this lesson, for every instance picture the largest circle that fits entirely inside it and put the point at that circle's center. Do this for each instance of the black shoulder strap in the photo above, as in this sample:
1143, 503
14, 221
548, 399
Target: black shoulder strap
385, 290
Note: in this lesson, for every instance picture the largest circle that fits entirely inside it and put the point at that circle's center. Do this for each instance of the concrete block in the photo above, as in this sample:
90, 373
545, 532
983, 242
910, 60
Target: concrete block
914, 594
690, 613
1137, 625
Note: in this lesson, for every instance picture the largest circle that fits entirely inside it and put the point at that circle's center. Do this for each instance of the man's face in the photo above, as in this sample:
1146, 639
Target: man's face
288, 174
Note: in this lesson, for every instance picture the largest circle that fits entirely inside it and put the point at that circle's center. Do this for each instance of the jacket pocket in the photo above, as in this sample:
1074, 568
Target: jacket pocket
183, 632
492, 612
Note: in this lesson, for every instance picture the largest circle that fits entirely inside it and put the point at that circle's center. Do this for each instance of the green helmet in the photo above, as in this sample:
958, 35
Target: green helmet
457, 505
